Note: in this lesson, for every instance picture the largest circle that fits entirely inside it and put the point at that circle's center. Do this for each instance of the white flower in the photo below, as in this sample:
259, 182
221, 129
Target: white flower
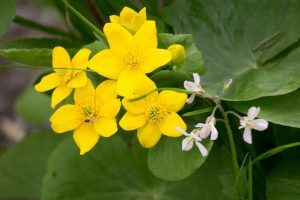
194, 87
208, 128
250, 122
191, 138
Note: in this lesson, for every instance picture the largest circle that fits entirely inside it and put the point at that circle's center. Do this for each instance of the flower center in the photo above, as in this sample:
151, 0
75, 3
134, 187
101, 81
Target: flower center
155, 113
132, 60
89, 114
245, 121
66, 76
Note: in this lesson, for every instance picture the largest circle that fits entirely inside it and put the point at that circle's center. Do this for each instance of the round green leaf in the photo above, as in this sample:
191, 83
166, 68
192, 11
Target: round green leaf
23, 166
284, 181
248, 41
167, 161
283, 109
110, 171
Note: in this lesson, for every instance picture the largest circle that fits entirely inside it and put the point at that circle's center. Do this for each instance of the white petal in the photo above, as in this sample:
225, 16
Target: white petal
200, 125
205, 131
181, 131
190, 86
260, 124
187, 144
214, 133
191, 99
202, 148
247, 135
253, 112
196, 78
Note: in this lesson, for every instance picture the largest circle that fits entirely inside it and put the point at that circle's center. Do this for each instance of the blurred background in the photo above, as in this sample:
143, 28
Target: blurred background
13, 82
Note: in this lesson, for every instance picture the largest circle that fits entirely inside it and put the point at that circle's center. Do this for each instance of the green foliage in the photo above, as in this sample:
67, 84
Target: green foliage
7, 10
33, 107
284, 181
109, 171
167, 161
226, 33
37, 52
283, 109
23, 166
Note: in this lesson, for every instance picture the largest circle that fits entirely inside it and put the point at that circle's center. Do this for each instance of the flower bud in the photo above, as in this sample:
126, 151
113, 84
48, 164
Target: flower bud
178, 53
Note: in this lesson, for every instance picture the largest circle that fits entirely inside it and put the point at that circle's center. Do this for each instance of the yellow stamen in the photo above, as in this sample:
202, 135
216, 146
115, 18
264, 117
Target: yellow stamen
133, 60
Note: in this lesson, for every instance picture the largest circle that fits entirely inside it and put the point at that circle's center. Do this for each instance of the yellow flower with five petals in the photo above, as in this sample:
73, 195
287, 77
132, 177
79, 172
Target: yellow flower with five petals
130, 19
130, 57
64, 80
154, 115
92, 116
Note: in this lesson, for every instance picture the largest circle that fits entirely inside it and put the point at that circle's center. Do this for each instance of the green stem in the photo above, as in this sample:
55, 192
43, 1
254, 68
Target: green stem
175, 89
231, 141
42, 67
84, 20
51, 30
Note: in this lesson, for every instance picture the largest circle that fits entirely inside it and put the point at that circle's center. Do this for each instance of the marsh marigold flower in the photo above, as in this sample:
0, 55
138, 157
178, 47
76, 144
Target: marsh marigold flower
154, 115
92, 116
130, 57
130, 19
64, 80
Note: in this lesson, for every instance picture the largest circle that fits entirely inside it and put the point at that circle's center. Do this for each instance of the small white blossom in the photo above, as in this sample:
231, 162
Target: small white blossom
194, 87
191, 138
249, 122
208, 128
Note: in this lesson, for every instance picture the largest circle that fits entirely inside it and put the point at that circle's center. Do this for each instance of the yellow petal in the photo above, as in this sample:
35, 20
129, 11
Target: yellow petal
167, 126
127, 15
134, 107
155, 58
110, 109
178, 53
131, 122
107, 64
59, 94
48, 82
106, 126
66, 118
85, 96
138, 20
119, 39
79, 80
85, 137
81, 59
146, 36
106, 92
114, 19
149, 135
130, 81
173, 101
60, 58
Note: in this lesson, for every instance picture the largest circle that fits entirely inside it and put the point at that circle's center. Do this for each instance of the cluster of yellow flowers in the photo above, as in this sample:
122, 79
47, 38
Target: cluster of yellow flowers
131, 55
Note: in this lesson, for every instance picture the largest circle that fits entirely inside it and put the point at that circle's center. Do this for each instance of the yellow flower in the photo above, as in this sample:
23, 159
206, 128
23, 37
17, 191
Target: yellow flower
178, 53
92, 116
64, 80
130, 19
130, 57
154, 115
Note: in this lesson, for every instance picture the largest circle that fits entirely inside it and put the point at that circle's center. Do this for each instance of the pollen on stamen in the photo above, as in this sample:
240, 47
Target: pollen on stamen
132, 60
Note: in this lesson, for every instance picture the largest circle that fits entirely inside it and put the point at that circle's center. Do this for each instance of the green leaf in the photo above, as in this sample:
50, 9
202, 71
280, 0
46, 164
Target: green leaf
8, 11
167, 161
33, 107
169, 78
109, 171
193, 62
284, 181
23, 166
96, 47
227, 31
283, 109
37, 52
198, 112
